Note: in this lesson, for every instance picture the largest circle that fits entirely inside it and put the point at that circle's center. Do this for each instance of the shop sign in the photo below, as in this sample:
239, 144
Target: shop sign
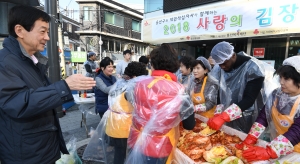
66, 40
78, 57
229, 19
259, 52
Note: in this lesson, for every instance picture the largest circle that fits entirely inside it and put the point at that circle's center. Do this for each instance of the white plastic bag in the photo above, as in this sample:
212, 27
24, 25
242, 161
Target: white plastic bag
71, 158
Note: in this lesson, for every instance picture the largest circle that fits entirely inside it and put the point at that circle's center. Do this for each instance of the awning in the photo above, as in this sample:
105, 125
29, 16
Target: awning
74, 41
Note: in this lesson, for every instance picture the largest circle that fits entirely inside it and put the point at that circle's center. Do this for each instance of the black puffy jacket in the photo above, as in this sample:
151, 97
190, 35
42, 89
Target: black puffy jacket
30, 132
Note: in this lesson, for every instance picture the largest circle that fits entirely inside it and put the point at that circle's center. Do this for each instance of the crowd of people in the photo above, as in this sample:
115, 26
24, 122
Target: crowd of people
141, 108
229, 88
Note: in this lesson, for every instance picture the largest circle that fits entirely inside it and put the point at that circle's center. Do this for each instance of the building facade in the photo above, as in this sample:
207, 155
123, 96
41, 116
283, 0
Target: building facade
108, 28
69, 26
263, 29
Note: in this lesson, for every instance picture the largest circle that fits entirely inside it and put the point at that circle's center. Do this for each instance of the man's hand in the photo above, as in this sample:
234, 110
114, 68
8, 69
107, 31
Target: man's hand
250, 140
80, 82
218, 120
231, 113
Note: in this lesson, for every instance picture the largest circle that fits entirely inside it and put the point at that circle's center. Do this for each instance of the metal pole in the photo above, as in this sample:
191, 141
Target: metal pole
249, 45
287, 47
100, 45
62, 54
52, 47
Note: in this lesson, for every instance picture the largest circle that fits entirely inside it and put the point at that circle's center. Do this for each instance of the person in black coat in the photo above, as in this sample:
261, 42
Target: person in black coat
30, 130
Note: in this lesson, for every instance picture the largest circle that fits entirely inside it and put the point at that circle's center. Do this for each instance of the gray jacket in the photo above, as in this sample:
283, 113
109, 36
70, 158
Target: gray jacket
90, 67
210, 90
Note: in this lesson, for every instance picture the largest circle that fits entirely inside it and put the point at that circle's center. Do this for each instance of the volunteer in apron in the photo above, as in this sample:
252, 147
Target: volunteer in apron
281, 115
114, 126
204, 88
160, 104
186, 77
241, 87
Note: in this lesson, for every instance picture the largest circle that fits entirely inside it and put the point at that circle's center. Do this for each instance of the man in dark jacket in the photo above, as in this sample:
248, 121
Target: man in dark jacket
90, 65
241, 79
30, 130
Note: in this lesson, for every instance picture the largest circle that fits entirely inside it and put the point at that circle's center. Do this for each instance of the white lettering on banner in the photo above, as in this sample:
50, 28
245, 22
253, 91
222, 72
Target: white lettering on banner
231, 20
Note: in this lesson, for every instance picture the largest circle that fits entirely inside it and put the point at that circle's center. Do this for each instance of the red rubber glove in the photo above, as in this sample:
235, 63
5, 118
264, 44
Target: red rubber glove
257, 153
217, 121
249, 140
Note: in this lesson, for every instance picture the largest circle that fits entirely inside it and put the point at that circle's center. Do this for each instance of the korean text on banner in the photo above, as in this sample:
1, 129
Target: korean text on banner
229, 19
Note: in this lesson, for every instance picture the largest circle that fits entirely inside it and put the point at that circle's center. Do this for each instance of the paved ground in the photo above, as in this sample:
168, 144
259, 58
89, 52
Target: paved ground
70, 125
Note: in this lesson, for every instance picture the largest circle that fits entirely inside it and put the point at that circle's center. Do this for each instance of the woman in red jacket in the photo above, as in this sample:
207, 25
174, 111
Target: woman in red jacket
160, 104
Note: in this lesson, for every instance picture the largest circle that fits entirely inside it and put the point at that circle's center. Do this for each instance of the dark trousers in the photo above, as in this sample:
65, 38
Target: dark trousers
101, 115
120, 145
120, 155
151, 160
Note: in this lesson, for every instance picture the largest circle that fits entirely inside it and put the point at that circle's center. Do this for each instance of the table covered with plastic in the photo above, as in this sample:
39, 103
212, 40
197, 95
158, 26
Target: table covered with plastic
293, 158
86, 106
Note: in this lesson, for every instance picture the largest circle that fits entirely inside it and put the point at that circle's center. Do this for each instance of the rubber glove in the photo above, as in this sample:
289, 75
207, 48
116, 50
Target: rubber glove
217, 121
256, 130
231, 113
279, 146
257, 153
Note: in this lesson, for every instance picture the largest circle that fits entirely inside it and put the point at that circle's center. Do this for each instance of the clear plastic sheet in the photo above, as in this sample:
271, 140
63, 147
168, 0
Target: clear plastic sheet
71, 158
98, 148
284, 102
181, 158
186, 81
87, 109
159, 106
210, 90
232, 85
114, 125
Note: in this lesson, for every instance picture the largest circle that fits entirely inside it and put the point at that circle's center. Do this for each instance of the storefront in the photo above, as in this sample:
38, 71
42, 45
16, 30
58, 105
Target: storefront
249, 25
